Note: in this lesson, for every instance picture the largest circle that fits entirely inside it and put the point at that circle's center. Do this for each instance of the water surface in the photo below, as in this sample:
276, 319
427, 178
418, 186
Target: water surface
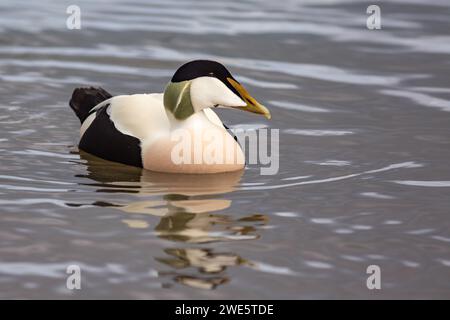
364, 119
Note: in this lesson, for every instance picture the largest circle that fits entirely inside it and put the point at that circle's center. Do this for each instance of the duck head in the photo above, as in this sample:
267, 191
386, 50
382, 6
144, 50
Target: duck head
202, 84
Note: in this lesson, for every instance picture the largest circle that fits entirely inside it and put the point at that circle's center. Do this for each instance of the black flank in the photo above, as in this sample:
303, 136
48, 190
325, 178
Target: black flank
103, 140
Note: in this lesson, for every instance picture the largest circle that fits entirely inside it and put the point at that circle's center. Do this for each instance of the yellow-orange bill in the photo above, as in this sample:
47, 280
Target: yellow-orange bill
252, 105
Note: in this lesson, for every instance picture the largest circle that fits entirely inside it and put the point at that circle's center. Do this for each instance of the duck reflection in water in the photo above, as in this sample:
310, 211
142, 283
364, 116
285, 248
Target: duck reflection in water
187, 207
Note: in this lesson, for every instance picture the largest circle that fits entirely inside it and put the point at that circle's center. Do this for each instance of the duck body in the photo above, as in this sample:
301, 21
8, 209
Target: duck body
112, 131
175, 131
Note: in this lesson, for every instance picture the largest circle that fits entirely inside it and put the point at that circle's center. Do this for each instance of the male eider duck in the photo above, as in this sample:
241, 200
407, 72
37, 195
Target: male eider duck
176, 131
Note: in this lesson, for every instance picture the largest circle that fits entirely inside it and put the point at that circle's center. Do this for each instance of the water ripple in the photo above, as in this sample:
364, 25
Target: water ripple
433, 184
403, 165
297, 107
318, 132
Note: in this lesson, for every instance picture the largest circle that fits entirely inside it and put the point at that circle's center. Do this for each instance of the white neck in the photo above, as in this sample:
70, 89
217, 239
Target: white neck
203, 118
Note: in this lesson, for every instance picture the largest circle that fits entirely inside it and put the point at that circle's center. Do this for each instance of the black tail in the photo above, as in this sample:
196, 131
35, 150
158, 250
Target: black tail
84, 99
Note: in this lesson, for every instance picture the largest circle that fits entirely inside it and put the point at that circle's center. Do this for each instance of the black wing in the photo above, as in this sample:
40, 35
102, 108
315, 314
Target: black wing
103, 140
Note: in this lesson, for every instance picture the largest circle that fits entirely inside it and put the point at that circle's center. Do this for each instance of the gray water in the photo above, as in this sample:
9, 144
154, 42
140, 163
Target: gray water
364, 179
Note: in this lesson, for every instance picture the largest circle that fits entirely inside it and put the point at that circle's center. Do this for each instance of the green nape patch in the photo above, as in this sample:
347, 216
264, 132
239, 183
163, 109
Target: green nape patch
177, 99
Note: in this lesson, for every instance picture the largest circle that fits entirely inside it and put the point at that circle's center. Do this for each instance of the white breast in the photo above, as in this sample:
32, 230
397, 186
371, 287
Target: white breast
199, 144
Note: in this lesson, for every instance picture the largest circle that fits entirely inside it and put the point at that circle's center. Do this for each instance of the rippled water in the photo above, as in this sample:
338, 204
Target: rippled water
364, 153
